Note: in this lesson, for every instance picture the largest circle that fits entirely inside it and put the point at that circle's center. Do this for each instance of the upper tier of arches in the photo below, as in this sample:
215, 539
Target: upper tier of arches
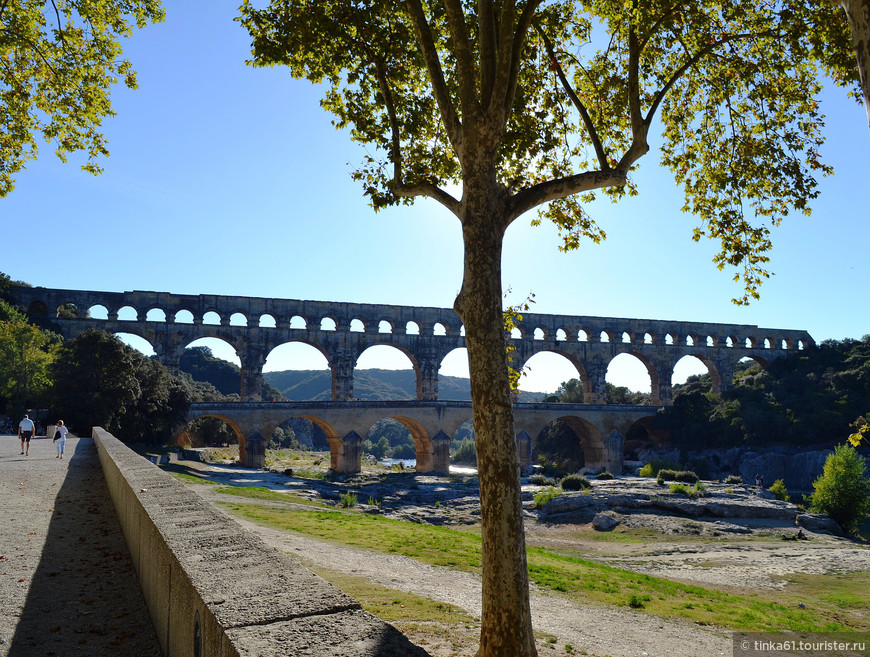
343, 331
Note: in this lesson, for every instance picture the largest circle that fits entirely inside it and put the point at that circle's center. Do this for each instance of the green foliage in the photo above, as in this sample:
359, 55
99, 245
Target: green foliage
201, 365
686, 476
603, 476
284, 438
380, 449
540, 498
638, 601
210, 432
26, 355
405, 80
809, 397
59, 64
559, 450
734, 479
575, 482
842, 491
347, 499
698, 490
541, 480
653, 468
405, 451
779, 490
100, 381
466, 453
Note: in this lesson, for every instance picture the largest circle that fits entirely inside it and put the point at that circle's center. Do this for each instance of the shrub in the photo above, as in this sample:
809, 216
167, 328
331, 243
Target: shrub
541, 480
686, 476
466, 453
843, 489
638, 601
698, 490
604, 476
574, 482
543, 496
734, 479
347, 499
779, 490
652, 468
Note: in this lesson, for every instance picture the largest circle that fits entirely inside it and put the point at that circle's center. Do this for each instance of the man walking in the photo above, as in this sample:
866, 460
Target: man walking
25, 432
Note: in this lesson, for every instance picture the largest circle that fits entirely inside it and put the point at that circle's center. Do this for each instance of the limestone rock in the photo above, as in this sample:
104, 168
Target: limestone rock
606, 521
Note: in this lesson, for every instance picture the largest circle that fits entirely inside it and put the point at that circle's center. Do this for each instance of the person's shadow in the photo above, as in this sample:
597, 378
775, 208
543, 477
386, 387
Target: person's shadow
84, 599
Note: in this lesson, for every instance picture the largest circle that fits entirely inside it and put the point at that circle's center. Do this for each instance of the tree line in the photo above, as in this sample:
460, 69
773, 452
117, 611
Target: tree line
810, 397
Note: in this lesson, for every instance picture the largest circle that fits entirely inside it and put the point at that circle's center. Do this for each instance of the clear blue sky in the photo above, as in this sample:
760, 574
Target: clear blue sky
226, 179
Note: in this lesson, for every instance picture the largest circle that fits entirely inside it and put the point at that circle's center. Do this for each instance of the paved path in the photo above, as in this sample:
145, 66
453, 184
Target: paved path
67, 585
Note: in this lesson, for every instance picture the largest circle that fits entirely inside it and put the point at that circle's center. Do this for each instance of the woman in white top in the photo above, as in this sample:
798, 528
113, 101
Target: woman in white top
60, 438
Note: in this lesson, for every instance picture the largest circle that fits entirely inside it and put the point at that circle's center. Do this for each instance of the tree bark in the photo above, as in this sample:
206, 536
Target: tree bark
858, 13
506, 625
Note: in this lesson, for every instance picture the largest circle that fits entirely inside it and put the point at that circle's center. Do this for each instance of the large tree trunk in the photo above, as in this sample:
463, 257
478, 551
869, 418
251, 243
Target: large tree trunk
506, 624
858, 12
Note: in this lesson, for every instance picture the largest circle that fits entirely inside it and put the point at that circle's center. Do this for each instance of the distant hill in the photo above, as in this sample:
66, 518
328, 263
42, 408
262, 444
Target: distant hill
371, 385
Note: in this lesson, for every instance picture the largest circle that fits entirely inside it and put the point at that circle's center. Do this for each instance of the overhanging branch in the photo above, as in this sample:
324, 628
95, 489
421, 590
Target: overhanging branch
429, 190
551, 190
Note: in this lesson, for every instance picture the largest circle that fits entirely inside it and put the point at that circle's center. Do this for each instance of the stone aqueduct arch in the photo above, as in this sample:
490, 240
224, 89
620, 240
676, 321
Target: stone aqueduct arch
601, 429
589, 343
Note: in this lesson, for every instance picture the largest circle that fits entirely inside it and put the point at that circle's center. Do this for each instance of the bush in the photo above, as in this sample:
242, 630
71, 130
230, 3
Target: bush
652, 468
347, 499
541, 480
843, 489
698, 490
686, 476
466, 453
734, 479
779, 490
574, 482
404, 451
543, 496
601, 476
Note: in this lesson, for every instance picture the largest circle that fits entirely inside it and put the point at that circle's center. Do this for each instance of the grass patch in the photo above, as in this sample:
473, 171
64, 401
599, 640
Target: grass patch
576, 577
190, 478
267, 495
543, 496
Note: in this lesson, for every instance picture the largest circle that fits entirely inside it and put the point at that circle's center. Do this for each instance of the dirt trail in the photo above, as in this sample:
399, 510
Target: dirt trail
597, 631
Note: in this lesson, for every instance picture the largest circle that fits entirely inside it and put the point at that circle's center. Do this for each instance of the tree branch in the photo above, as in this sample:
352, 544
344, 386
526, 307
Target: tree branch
488, 46
451, 119
581, 108
395, 136
560, 188
465, 70
524, 24
429, 190
694, 59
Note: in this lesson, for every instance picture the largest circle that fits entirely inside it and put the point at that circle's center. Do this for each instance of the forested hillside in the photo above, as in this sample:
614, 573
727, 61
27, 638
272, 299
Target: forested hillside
373, 385
809, 398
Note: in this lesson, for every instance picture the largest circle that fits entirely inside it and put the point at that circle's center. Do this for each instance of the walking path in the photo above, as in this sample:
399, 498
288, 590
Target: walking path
67, 584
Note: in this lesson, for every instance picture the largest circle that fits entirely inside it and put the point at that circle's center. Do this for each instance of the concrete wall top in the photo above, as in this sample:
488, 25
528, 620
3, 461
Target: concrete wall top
198, 566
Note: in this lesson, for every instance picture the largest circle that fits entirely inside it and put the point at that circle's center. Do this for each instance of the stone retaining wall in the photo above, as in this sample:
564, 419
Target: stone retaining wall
214, 589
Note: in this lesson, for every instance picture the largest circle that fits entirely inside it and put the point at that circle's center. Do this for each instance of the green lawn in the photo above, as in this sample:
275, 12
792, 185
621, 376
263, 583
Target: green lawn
838, 609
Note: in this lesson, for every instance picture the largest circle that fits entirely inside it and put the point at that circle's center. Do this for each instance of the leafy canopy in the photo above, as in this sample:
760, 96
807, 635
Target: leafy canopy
561, 96
58, 60
843, 489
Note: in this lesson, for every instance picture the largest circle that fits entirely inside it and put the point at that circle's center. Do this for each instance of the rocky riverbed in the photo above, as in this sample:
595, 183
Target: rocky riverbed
733, 538
744, 535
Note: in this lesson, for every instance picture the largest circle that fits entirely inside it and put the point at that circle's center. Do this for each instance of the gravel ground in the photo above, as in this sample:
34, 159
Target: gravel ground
67, 584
